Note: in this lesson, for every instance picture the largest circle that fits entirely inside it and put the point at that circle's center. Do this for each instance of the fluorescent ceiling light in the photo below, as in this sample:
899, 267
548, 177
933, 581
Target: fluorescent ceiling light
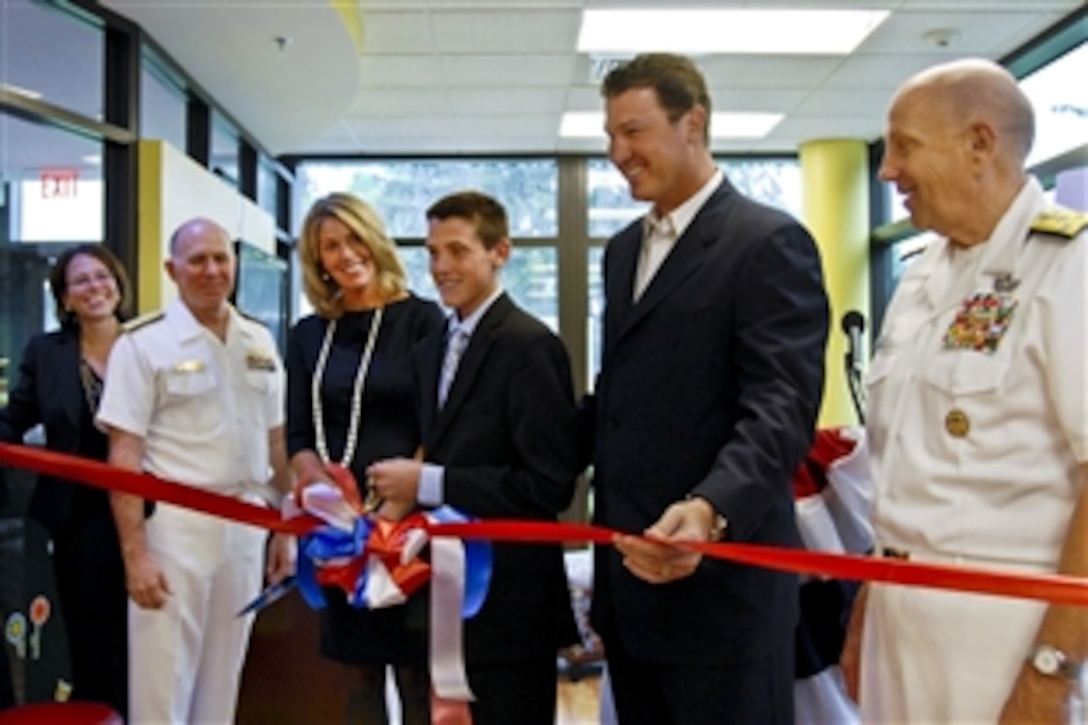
834, 32
726, 124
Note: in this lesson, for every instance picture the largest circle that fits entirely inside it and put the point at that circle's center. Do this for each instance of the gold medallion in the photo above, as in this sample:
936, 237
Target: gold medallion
957, 423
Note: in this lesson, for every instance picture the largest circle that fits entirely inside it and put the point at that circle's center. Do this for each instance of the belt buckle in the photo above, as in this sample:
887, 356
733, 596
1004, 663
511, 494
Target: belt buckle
890, 552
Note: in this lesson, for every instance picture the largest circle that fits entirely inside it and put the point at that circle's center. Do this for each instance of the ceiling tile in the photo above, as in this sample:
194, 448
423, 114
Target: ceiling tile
508, 101
516, 31
389, 102
860, 102
399, 71
509, 127
397, 32
979, 33
877, 72
524, 70
767, 72
829, 126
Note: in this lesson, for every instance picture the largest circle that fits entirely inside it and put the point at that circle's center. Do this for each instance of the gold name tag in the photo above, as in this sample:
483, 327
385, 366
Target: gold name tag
259, 360
189, 366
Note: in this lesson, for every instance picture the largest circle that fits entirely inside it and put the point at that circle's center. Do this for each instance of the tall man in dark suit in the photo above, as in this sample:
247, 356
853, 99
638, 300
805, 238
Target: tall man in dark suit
714, 330
498, 423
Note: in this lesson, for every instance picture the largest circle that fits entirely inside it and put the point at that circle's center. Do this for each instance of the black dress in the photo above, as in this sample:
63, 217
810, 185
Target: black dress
57, 389
388, 428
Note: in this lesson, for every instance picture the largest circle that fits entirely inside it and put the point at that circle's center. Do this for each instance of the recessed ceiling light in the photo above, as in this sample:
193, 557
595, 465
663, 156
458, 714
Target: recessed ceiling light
725, 124
726, 31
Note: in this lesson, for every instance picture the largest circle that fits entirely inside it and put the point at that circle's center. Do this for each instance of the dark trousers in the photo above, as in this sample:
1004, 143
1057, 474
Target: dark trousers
756, 693
90, 579
514, 692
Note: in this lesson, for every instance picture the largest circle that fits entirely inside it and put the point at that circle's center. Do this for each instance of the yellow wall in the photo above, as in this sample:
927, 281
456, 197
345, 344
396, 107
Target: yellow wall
835, 180
173, 189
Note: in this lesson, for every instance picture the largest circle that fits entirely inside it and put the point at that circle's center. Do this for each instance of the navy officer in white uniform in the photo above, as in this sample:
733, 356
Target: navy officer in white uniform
195, 394
978, 416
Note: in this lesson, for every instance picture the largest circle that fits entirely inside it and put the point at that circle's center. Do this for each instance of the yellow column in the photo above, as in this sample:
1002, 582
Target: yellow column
835, 183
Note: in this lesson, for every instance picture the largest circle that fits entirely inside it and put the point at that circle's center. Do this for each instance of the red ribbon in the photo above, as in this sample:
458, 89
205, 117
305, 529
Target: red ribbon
1053, 588
144, 485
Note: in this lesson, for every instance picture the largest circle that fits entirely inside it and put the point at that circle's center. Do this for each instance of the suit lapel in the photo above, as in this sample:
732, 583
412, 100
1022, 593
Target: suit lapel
683, 260
68, 388
470, 365
430, 367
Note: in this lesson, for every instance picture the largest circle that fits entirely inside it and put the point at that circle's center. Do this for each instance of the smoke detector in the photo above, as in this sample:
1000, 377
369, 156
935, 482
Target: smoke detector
942, 37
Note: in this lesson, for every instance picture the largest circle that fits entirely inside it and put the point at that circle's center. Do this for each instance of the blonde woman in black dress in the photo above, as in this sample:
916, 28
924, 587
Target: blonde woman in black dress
351, 401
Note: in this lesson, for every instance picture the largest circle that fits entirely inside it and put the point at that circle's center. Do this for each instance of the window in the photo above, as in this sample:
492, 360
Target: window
530, 277
594, 312
50, 198
225, 147
401, 190
267, 186
776, 182
52, 55
163, 103
611, 207
1057, 93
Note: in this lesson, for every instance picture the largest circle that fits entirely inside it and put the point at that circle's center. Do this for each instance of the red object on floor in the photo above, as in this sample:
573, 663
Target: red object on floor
61, 713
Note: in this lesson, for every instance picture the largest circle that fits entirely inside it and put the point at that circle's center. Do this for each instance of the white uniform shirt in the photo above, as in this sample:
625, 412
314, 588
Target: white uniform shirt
204, 407
1004, 489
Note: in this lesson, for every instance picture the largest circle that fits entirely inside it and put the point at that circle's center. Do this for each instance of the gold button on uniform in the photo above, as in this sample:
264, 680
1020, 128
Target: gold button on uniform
957, 423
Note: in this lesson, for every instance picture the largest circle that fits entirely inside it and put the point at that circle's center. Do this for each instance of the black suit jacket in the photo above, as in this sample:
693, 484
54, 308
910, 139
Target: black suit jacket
709, 386
506, 438
48, 391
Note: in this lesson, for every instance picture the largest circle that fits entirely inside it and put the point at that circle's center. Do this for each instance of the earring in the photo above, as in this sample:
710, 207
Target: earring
325, 277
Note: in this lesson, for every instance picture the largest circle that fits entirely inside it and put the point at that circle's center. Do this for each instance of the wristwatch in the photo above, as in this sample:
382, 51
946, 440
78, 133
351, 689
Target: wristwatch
718, 526
1050, 661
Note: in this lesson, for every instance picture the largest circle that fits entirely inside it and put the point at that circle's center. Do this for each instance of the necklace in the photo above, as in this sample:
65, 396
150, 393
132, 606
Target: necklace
356, 393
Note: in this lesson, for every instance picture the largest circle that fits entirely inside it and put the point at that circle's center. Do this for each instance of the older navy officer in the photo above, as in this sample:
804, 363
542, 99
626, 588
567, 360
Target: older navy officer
195, 394
977, 416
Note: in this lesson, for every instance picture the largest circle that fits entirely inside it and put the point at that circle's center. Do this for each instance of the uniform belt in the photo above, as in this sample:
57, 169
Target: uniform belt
891, 552
923, 555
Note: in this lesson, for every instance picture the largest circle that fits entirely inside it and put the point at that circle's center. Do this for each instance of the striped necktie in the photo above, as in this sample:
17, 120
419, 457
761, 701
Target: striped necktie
455, 347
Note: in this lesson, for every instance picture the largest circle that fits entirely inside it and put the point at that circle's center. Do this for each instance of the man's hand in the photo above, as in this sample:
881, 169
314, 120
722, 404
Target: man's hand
396, 479
659, 561
1037, 698
145, 580
280, 562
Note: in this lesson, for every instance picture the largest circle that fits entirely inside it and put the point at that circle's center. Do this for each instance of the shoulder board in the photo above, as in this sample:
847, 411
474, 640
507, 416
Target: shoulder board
250, 317
1060, 221
142, 321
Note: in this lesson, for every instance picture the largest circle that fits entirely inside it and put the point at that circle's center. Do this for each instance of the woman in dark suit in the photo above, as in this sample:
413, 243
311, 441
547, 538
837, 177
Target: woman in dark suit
59, 384
351, 401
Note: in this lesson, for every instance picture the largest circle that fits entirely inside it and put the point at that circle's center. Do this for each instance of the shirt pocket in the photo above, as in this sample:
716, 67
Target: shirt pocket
259, 381
189, 383
193, 401
966, 374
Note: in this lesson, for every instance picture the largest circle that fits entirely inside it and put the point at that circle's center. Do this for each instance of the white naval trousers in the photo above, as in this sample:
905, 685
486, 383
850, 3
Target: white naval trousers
932, 656
185, 660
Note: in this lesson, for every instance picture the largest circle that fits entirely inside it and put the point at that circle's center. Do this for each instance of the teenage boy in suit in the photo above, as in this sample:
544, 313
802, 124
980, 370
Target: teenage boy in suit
498, 423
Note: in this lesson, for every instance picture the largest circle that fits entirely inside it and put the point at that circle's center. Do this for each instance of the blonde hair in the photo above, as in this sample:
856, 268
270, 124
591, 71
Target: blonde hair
367, 226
